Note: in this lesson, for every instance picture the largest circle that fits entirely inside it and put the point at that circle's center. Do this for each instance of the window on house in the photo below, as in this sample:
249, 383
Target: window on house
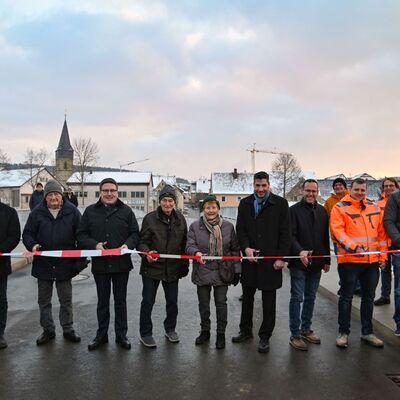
97, 194
223, 198
122, 194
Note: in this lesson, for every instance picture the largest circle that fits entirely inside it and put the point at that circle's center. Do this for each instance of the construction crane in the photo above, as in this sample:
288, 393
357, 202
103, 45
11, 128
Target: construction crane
253, 152
132, 162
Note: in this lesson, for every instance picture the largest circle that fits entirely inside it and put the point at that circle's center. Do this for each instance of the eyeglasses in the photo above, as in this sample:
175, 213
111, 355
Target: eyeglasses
109, 191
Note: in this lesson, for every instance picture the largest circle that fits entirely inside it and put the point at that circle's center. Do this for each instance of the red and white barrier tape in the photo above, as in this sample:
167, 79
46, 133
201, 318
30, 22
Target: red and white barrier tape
121, 252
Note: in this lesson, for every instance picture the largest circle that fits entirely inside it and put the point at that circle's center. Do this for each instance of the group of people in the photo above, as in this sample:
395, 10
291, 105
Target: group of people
267, 232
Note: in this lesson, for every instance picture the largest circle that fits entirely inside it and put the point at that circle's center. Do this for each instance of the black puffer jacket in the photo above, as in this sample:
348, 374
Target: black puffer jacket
310, 231
115, 225
10, 234
163, 237
53, 234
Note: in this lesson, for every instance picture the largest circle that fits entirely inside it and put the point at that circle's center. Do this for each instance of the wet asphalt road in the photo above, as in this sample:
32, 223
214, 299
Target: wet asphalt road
61, 370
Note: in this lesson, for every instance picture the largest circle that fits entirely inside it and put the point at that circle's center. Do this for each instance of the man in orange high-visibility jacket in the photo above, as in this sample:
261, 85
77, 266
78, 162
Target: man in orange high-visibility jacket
389, 185
357, 225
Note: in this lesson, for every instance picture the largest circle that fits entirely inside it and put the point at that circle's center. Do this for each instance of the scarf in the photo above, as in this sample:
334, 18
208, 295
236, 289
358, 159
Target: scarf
259, 202
215, 245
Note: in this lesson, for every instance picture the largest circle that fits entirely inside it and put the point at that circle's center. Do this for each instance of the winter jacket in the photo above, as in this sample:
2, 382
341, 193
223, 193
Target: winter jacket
167, 238
392, 219
53, 234
10, 234
310, 231
213, 273
382, 204
113, 225
332, 200
72, 198
354, 223
36, 198
269, 233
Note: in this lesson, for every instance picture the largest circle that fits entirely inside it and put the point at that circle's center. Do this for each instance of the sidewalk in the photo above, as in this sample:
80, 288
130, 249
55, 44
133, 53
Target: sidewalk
20, 262
383, 315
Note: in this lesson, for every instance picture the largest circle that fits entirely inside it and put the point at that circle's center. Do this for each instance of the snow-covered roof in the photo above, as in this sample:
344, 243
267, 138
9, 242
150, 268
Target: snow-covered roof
227, 183
169, 180
308, 175
203, 185
17, 177
120, 177
364, 175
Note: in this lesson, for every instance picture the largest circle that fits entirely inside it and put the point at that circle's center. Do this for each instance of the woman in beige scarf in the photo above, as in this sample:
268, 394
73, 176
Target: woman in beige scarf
213, 236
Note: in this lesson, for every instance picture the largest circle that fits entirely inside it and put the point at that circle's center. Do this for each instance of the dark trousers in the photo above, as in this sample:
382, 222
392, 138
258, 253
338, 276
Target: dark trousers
386, 278
64, 292
204, 295
149, 293
3, 304
269, 312
368, 275
119, 282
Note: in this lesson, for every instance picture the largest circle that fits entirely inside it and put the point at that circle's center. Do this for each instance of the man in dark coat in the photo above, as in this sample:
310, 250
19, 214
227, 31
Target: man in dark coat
163, 231
10, 234
37, 196
70, 196
310, 236
52, 225
263, 228
110, 224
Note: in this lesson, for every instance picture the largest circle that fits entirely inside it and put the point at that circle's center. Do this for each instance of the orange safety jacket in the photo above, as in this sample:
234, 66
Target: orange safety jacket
358, 223
382, 204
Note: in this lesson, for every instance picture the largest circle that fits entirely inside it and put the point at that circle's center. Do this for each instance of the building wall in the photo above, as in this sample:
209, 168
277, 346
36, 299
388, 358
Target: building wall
230, 200
136, 196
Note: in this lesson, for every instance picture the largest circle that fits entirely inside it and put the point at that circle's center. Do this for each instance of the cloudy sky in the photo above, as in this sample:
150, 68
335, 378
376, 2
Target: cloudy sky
193, 84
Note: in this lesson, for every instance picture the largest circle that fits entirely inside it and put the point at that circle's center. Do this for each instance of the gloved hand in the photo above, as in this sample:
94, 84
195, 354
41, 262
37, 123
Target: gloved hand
236, 279
183, 271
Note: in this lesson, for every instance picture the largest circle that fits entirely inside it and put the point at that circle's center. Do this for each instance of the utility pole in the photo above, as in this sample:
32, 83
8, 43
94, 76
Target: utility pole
253, 152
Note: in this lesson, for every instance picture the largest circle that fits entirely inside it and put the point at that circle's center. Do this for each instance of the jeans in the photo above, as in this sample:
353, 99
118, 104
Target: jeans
149, 292
386, 278
64, 292
203, 294
396, 267
303, 285
119, 285
269, 312
368, 275
3, 304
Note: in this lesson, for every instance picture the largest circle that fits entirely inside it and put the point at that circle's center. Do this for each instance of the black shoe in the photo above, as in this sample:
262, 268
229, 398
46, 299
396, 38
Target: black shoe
72, 336
263, 346
203, 337
241, 337
45, 337
123, 342
220, 343
97, 342
3, 343
382, 301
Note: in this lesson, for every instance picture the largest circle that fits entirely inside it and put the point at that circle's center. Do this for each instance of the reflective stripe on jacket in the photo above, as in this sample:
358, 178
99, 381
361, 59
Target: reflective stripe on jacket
354, 223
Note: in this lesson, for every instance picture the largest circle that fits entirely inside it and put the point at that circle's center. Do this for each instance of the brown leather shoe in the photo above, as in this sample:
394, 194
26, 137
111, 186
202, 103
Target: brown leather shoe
298, 343
311, 337
372, 340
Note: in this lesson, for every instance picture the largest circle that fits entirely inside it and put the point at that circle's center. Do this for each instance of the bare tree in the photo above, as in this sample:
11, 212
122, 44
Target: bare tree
3, 158
286, 172
34, 161
85, 156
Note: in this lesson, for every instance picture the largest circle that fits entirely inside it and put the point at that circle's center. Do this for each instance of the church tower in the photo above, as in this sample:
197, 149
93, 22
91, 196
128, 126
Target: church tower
64, 156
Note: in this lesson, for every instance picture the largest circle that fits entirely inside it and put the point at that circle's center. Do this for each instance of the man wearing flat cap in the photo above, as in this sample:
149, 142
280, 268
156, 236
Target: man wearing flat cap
52, 225
163, 231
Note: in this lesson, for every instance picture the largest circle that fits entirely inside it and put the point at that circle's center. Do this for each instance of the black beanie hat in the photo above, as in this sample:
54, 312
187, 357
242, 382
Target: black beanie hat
167, 191
339, 180
210, 198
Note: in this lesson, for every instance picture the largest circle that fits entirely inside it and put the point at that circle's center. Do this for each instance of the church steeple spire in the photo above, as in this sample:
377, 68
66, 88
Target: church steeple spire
64, 155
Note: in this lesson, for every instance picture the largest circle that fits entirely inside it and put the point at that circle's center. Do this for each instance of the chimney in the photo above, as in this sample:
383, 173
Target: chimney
235, 173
